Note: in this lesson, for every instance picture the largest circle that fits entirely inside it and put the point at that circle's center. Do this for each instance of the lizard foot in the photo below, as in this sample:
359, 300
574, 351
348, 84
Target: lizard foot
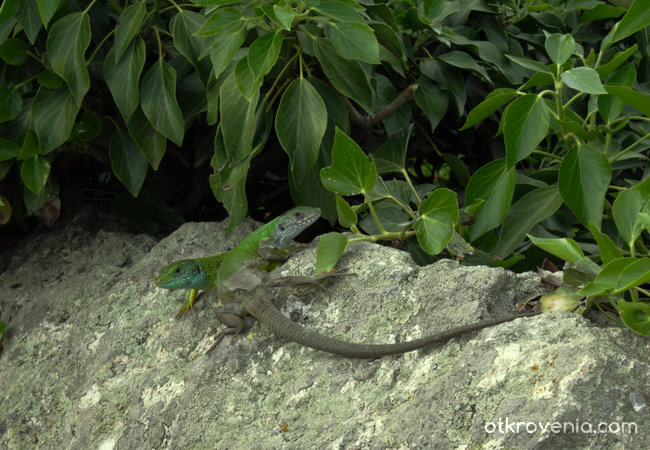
234, 326
189, 304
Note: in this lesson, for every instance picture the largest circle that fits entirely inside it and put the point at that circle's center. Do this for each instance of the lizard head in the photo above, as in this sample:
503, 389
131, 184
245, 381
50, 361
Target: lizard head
184, 274
292, 223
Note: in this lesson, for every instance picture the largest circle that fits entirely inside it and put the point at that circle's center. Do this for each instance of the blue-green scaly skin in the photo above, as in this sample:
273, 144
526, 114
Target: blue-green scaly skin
199, 273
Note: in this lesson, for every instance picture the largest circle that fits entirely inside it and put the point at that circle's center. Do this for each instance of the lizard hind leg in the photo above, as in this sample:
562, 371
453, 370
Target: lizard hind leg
234, 325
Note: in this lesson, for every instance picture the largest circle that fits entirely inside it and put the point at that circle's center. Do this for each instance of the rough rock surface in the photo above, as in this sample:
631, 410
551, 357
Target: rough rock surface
93, 357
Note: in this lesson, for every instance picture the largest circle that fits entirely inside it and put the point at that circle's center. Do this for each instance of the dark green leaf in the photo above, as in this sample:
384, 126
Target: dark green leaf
351, 172
527, 212
391, 156
433, 102
11, 103
34, 172
626, 209
151, 143
330, 248
636, 18
158, 93
185, 24
263, 53
637, 100
8, 150
583, 79
565, 248
225, 47
438, 216
30, 146
300, 124
13, 52
526, 123
123, 78
495, 185
529, 64
348, 77
355, 40
247, 83
608, 250
53, 112
346, 215
583, 180
47, 8
49, 79
495, 100
67, 42
636, 315
464, 61
128, 25
222, 21
340, 11
237, 127
560, 47
127, 162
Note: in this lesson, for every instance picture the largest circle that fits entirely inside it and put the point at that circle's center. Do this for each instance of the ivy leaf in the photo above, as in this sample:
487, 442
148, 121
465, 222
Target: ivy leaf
355, 40
34, 172
263, 53
438, 216
66, 45
128, 25
54, 112
583, 79
351, 172
300, 124
525, 124
127, 162
123, 78
11, 103
158, 93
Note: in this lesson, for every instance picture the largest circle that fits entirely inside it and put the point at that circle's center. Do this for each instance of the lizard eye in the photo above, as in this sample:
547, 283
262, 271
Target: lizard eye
298, 214
281, 227
178, 270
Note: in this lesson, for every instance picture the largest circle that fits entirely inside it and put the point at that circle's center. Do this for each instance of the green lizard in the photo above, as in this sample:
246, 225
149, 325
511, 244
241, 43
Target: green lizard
248, 290
210, 272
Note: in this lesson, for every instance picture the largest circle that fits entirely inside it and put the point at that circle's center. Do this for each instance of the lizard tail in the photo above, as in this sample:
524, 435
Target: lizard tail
265, 311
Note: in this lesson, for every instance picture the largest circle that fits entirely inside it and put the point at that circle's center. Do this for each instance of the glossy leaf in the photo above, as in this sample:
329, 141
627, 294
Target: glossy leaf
495, 185
158, 93
47, 8
151, 143
626, 209
8, 150
128, 25
351, 172
495, 100
560, 47
608, 277
34, 172
635, 274
346, 215
348, 77
222, 21
300, 124
11, 103
391, 156
565, 248
637, 100
185, 24
247, 83
583, 79
438, 216
67, 42
263, 53
123, 78
636, 18
337, 10
54, 112
526, 123
225, 47
330, 248
608, 250
127, 162
433, 102
636, 315
528, 211
237, 122
13, 52
463, 61
583, 180
355, 40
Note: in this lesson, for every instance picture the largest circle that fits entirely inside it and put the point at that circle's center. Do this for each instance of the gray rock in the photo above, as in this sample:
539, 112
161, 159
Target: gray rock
94, 358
